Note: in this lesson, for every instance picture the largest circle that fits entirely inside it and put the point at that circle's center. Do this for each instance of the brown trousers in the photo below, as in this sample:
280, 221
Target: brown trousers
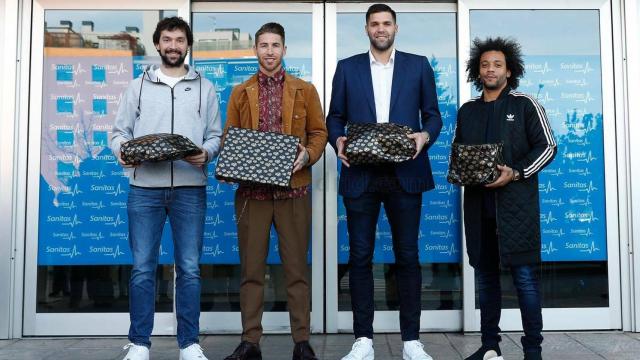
292, 220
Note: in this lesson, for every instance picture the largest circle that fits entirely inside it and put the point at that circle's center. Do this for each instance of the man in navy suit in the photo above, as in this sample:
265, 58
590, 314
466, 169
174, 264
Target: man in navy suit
379, 86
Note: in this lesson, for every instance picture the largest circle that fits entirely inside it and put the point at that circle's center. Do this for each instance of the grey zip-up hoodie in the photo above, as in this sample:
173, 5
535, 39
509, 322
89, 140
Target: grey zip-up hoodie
190, 109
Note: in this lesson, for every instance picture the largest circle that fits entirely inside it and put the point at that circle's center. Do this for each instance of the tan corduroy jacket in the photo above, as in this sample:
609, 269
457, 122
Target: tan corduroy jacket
301, 116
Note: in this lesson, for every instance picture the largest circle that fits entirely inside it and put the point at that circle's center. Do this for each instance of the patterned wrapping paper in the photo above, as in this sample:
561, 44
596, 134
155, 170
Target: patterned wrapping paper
157, 147
474, 164
251, 156
378, 143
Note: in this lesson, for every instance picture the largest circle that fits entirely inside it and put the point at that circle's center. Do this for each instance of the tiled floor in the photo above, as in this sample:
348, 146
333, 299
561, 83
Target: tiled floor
442, 346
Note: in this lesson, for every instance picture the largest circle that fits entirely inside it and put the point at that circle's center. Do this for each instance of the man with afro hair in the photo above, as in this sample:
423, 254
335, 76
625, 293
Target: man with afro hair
502, 219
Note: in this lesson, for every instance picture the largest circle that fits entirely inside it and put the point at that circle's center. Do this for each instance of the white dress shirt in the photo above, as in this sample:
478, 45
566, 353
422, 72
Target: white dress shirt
381, 79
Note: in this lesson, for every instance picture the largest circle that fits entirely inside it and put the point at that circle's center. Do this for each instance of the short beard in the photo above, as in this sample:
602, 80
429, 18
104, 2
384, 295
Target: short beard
384, 47
177, 64
498, 85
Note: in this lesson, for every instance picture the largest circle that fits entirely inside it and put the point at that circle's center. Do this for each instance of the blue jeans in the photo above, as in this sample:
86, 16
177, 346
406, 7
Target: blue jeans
403, 211
525, 280
148, 209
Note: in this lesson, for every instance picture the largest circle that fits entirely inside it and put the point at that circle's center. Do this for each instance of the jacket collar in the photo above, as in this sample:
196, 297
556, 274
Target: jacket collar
503, 94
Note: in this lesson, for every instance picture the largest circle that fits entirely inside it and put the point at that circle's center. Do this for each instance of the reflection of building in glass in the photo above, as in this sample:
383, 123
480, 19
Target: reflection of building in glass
223, 43
65, 36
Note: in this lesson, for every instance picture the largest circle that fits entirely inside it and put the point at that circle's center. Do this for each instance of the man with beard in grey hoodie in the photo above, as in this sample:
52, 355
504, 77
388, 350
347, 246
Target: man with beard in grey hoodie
170, 98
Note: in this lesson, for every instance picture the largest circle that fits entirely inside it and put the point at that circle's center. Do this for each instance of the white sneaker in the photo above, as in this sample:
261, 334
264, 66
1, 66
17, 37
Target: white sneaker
362, 349
192, 352
414, 350
136, 352
491, 355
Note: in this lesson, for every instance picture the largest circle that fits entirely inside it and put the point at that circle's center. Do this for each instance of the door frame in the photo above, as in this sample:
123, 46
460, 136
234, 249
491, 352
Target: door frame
384, 321
615, 174
278, 322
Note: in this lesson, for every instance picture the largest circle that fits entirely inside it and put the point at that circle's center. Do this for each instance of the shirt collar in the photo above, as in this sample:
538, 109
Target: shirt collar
373, 60
277, 78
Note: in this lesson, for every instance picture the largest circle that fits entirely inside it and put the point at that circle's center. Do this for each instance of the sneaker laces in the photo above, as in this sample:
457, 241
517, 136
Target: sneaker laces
196, 348
415, 346
131, 345
359, 348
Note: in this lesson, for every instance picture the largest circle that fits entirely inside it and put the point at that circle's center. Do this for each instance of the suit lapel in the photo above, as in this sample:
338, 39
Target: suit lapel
367, 83
396, 83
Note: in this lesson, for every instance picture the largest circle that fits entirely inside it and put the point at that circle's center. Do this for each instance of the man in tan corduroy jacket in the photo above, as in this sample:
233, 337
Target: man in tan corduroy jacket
273, 100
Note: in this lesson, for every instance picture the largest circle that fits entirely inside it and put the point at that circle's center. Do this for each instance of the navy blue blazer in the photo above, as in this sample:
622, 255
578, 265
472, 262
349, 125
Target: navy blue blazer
414, 103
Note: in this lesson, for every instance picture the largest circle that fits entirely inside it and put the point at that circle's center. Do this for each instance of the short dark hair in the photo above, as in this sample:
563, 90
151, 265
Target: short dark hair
271, 28
376, 8
512, 55
170, 24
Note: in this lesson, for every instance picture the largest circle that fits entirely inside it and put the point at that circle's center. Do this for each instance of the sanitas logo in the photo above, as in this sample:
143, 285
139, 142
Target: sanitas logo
106, 251
212, 251
547, 218
583, 68
441, 234
587, 217
581, 232
580, 186
553, 171
546, 188
552, 202
548, 248
538, 68
215, 190
72, 253
553, 232
446, 189
582, 247
578, 97
442, 248
116, 69
213, 220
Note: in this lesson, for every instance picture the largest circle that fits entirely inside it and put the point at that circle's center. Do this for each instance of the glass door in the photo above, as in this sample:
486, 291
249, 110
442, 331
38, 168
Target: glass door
569, 70
429, 30
78, 258
222, 51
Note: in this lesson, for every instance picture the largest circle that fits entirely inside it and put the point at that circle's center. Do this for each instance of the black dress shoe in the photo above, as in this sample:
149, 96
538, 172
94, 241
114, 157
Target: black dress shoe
303, 351
246, 351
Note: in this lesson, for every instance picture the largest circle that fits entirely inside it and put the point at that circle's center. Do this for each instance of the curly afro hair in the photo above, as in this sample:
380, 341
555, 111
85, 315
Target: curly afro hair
512, 54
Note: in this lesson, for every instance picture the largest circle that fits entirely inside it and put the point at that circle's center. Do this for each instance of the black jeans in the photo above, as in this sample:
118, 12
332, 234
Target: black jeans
403, 211
525, 280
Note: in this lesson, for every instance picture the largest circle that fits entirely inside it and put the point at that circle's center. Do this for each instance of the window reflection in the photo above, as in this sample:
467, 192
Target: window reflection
563, 72
83, 253
223, 53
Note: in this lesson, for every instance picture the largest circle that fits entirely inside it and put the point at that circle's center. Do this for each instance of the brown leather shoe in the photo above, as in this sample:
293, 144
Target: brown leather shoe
303, 351
246, 351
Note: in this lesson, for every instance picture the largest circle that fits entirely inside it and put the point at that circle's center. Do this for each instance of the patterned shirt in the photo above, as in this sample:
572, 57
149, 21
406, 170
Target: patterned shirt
270, 90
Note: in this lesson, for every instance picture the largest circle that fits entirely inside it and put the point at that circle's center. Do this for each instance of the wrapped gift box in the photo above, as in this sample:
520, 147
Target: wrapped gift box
251, 156
369, 143
157, 147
